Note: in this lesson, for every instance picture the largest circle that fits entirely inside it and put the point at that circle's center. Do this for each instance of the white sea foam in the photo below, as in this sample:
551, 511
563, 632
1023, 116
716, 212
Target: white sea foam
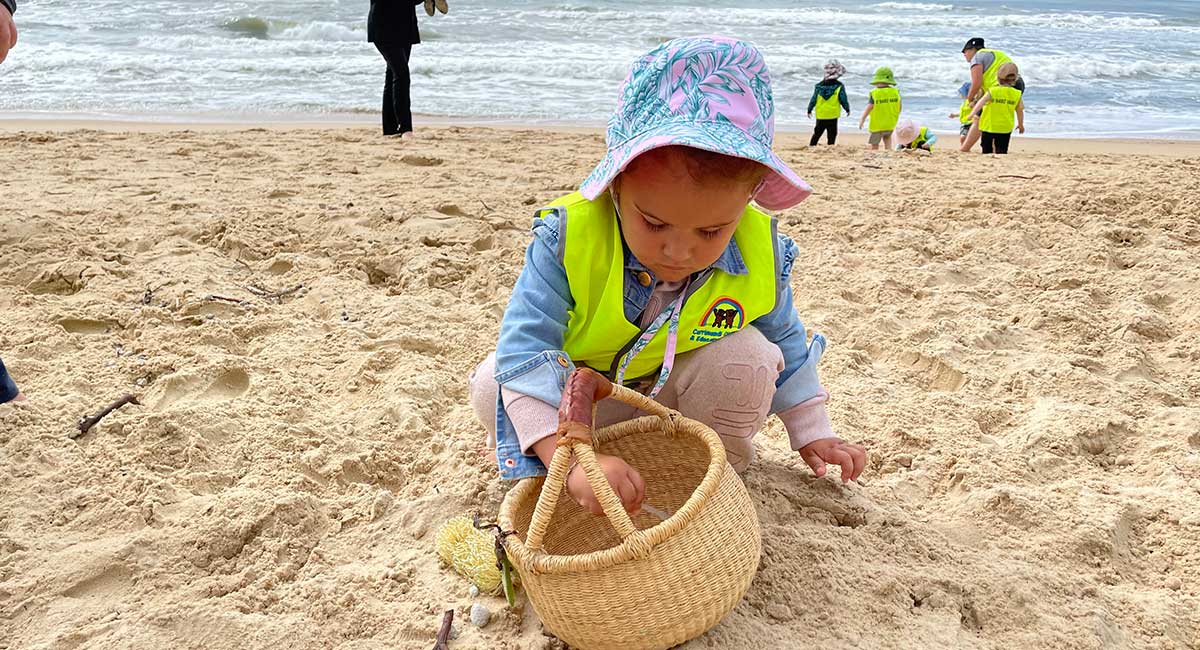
550, 59
913, 6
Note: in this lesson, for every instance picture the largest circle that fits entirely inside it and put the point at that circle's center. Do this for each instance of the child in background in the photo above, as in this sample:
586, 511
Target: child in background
997, 108
659, 274
883, 106
828, 100
964, 113
909, 135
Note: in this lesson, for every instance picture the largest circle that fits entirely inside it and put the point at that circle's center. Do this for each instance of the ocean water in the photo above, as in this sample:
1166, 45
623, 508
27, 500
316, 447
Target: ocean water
1104, 68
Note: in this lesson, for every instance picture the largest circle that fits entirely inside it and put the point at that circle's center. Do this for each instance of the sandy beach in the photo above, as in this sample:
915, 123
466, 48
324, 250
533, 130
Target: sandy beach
1016, 341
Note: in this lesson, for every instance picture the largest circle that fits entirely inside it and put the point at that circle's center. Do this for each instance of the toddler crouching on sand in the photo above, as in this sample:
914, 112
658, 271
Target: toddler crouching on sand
659, 274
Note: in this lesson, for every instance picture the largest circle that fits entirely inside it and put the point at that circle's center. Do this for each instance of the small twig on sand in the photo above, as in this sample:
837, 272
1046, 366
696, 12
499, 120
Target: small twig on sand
485, 206
1028, 178
236, 301
874, 166
285, 292
86, 423
267, 294
443, 635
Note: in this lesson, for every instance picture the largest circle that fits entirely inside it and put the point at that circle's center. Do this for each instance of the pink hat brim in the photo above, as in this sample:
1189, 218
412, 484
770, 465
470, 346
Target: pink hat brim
781, 189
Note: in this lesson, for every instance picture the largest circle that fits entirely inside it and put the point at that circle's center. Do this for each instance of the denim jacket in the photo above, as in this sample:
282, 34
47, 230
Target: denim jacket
529, 355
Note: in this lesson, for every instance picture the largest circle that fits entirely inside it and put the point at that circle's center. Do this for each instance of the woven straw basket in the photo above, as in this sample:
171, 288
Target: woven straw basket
640, 582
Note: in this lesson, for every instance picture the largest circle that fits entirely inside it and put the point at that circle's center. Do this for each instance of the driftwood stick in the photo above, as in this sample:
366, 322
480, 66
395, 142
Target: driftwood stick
236, 301
1028, 178
284, 292
443, 635
86, 423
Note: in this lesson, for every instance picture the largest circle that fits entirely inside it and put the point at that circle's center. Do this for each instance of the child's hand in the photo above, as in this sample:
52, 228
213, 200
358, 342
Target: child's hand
810, 116
623, 478
851, 458
952, 115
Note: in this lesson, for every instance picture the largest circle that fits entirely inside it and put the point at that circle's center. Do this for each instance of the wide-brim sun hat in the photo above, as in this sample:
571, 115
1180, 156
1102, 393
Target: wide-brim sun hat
706, 92
964, 89
906, 131
884, 76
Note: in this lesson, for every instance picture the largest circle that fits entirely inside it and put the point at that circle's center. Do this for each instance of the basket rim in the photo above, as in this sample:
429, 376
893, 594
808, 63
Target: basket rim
641, 542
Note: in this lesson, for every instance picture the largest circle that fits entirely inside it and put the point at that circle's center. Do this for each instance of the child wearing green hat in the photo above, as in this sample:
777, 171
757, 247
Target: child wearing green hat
883, 107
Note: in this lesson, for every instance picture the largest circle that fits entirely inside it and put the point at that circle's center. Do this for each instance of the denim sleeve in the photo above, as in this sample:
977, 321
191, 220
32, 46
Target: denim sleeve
8, 389
798, 382
535, 322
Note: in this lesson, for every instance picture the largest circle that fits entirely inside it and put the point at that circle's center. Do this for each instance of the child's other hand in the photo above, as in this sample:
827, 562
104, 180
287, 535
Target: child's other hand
810, 116
952, 115
851, 458
623, 478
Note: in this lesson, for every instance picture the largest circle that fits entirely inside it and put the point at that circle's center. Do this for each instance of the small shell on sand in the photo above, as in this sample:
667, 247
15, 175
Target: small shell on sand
480, 615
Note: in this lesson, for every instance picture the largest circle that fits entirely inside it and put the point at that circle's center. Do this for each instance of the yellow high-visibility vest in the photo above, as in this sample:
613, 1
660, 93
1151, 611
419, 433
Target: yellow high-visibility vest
886, 112
594, 258
1000, 114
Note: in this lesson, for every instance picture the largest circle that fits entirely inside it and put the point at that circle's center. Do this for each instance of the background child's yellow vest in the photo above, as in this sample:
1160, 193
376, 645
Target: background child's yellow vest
886, 112
964, 112
594, 257
828, 108
999, 114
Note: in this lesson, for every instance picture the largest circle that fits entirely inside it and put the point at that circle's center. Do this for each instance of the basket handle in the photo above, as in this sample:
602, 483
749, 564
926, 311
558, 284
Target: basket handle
576, 417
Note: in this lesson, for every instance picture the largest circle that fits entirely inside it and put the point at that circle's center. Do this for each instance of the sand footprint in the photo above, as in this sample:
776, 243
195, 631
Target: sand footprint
86, 326
228, 384
452, 210
421, 161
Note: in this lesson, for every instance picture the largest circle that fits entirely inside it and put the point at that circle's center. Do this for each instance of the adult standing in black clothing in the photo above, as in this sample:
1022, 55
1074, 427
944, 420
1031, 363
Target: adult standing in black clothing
392, 27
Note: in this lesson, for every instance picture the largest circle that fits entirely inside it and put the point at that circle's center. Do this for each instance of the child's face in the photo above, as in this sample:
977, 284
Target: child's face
674, 225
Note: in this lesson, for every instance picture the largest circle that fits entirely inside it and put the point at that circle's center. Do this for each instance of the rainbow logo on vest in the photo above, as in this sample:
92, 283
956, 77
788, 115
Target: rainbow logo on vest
721, 314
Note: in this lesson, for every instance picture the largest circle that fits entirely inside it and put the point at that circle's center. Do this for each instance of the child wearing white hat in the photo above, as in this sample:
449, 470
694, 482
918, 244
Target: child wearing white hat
910, 135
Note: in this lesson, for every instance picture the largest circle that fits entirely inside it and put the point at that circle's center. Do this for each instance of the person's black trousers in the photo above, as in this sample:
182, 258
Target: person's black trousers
824, 126
995, 142
397, 112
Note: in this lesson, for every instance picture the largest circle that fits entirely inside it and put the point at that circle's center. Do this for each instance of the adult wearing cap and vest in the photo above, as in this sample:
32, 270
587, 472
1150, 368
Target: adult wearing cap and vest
985, 63
8, 29
392, 27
